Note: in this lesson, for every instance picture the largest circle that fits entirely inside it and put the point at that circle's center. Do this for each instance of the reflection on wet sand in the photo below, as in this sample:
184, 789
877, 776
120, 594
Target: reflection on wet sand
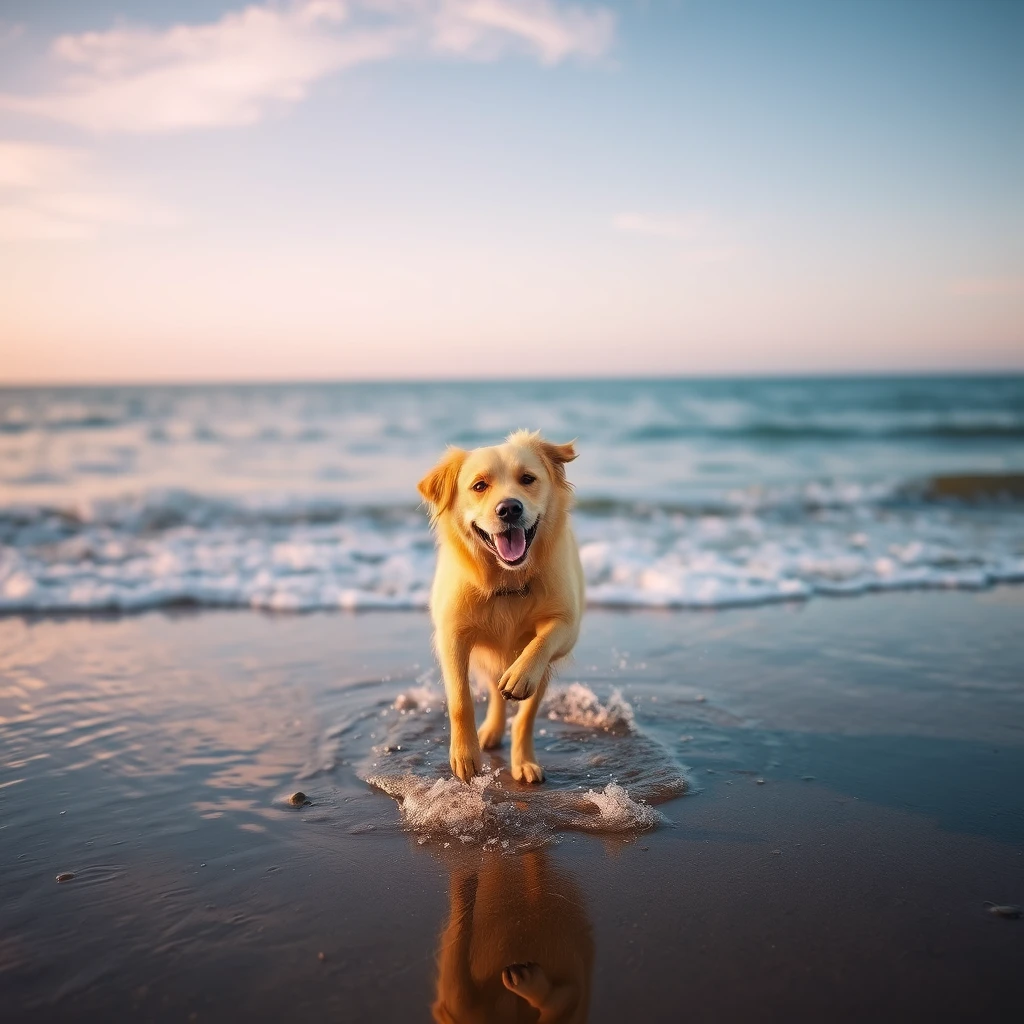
517, 944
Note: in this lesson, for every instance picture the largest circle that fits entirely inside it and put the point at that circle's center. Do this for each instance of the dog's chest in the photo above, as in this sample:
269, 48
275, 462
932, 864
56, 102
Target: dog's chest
503, 619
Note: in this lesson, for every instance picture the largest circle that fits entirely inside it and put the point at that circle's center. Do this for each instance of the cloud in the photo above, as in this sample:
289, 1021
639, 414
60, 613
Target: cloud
700, 237
234, 70
46, 193
482, 28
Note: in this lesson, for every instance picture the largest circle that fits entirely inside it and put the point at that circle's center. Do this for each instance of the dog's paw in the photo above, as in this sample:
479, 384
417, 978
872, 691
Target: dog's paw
465, 761
491, 735
527, 981
520, 681
527, 771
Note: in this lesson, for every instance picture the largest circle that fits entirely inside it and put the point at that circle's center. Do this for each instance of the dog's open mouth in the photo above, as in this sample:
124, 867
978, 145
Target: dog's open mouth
511, 546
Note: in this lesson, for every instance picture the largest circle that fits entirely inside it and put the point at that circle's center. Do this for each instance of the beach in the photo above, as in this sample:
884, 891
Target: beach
801, 811
659, 367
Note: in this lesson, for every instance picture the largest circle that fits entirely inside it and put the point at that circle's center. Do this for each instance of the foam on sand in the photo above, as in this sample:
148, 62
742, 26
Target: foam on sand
486, 813
577, 704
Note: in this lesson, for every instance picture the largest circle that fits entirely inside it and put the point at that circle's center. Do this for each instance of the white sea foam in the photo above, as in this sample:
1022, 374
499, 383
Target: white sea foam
616, 811
143, 554
577, 704
440, 806
487, 814
691, 494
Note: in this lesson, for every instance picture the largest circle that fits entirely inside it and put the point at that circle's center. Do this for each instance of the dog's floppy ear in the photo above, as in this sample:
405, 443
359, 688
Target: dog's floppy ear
556, 456
559, 454
438, 486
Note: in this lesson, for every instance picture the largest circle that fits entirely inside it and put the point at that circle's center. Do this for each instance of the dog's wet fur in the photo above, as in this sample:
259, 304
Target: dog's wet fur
508, 593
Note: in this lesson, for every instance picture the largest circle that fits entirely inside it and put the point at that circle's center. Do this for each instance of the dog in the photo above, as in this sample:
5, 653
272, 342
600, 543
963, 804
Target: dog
508, 594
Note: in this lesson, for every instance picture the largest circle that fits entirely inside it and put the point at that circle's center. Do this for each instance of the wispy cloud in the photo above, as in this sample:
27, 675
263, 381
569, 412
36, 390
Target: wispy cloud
48, 193
548, 30
698, 237
233, 70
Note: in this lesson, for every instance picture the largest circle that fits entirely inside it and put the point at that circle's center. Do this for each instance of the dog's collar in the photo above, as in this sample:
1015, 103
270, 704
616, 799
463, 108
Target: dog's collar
523, 591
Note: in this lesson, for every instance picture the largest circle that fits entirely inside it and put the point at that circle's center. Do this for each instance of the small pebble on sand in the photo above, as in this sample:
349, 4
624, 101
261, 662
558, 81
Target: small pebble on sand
65, 876
760, 782
321, 957
298, 799
1008, 910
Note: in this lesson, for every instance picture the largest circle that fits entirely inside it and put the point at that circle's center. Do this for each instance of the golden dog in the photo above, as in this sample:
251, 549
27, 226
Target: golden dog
508, 589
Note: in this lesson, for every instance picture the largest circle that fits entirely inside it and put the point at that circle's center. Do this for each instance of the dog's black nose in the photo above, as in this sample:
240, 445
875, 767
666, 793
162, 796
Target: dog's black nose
510, 510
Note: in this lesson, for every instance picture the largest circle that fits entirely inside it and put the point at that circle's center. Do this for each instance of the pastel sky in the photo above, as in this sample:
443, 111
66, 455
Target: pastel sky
306, 189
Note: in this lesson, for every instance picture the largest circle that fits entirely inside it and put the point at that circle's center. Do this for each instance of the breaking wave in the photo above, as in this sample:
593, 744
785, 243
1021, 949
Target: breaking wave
692, 493
749, 546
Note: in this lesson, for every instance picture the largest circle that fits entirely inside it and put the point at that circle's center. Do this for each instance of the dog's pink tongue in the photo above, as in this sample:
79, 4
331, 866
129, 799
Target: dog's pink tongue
511, 545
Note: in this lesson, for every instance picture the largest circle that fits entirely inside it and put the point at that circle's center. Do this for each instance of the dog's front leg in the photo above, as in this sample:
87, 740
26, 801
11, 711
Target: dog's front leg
554, 639
464, 752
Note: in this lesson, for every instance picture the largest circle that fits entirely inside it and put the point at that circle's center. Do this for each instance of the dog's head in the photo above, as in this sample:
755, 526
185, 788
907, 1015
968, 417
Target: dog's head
500, 499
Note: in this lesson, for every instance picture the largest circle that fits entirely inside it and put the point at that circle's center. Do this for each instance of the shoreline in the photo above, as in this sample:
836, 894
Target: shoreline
190, 607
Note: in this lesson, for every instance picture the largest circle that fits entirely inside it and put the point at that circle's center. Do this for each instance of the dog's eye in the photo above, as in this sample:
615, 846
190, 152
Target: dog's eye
526, 479
480, 485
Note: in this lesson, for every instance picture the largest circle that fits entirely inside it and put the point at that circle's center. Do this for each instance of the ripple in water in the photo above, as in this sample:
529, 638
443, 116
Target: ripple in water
605, 776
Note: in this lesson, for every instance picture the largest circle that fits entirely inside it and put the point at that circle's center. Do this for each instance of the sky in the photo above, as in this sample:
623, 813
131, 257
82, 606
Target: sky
364, 189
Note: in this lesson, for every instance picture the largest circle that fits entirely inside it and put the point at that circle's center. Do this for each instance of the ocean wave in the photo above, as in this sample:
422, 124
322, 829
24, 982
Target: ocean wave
801, 431
837, 432
173, 547
689, 423
171, 508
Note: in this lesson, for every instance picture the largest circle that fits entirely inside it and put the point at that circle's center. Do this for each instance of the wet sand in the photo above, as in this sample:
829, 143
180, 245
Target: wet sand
854, 774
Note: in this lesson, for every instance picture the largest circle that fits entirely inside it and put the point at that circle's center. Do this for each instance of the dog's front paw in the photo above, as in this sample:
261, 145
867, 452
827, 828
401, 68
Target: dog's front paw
520, 680
527, 771
465, 760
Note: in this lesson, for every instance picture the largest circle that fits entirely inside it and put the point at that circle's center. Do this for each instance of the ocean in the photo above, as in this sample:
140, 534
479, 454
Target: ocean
691, 493
766, 812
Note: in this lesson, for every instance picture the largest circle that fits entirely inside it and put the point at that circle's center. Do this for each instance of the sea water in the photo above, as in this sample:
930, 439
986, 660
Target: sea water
691, 493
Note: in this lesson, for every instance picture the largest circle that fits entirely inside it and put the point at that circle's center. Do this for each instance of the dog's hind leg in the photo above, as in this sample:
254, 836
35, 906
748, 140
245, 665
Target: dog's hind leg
486, 666
524, 760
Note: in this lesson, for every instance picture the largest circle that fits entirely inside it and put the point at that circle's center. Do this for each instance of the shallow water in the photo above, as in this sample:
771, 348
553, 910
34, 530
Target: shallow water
691, 493
737, 781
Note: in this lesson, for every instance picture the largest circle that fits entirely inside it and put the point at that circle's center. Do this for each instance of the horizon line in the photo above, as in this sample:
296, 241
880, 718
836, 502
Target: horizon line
765, 375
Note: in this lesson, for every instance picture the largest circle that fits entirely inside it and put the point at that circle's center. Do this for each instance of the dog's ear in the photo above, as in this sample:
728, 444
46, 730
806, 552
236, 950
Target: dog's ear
438, 486
556, 456
559, 454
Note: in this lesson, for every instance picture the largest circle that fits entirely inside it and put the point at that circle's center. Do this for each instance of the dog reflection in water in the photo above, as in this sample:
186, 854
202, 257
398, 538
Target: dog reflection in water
517, 945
